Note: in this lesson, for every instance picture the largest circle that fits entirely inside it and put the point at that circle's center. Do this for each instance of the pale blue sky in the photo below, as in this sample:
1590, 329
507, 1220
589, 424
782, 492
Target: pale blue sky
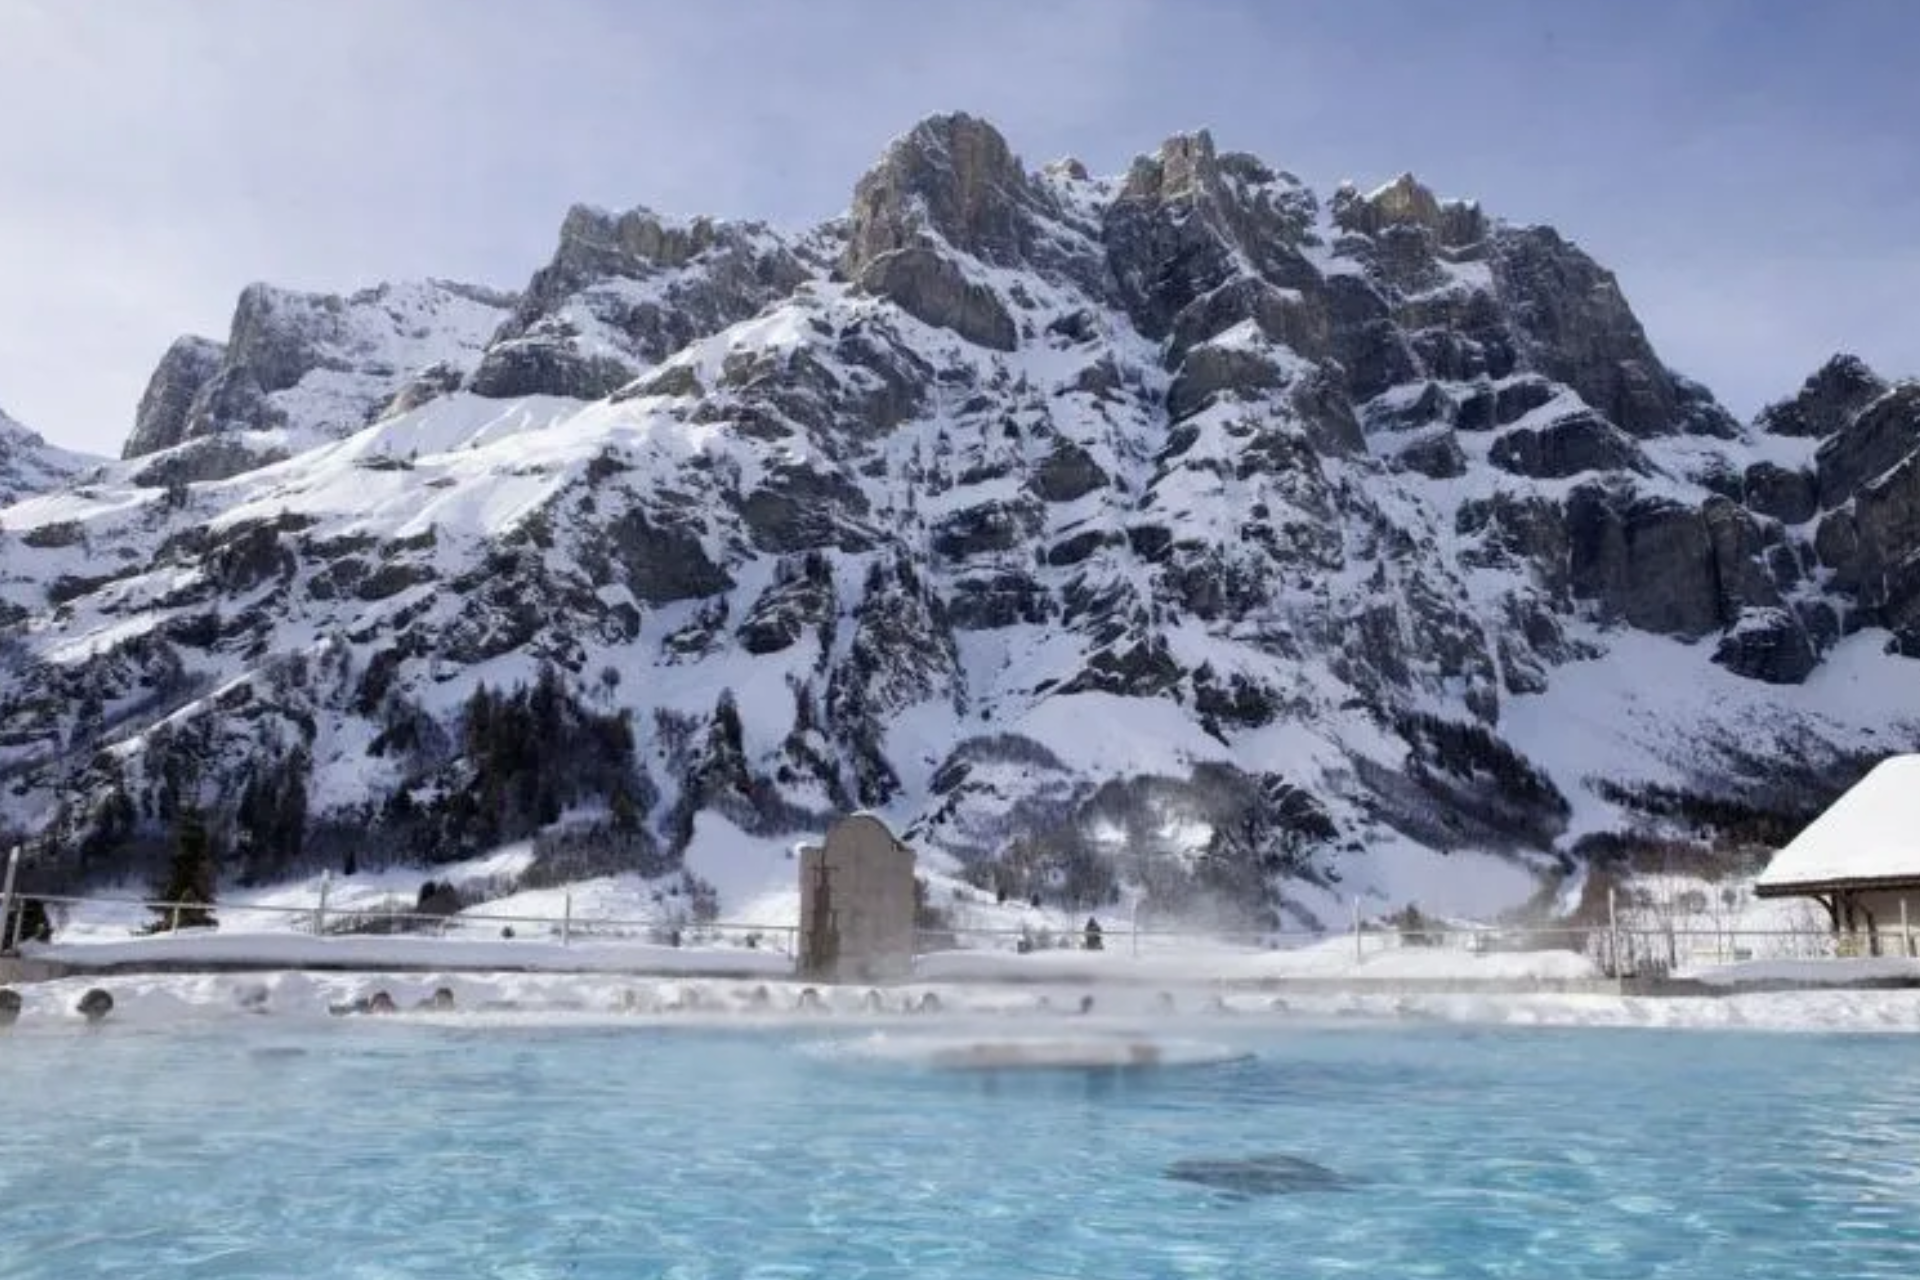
1749, 168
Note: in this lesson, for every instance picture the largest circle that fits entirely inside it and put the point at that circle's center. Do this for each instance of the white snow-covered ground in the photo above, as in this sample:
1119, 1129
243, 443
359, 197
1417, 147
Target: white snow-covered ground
760, 893
213, 949
1811, 973
1375, 960
1158, 960
531, 1000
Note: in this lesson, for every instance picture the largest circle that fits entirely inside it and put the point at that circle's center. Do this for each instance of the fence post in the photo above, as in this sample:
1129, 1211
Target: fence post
1358, 954
320, 912
173, 918
1613, 932
1906, 932
566, 918
8, 929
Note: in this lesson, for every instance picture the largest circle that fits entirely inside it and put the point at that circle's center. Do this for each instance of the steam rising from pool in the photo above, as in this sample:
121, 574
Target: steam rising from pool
1034, 1052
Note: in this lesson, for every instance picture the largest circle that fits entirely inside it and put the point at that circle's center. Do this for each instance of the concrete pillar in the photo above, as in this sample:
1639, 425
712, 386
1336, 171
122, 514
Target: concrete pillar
7, 926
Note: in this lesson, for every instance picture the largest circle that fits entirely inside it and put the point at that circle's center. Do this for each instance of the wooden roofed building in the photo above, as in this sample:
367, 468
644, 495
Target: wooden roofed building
1861, 861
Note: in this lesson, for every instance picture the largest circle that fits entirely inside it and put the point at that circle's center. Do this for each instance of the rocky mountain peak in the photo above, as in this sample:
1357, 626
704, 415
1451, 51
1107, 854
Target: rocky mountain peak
1406, 202
1183, 168
1831, 397
597, 241
625, 290
951, 185
1199, 241
952, 176
160, 422
318, 365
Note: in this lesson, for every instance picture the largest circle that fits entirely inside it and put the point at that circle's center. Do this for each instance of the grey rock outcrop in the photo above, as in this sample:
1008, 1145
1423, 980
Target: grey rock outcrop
547, 362
1575, 327
952, 177
167, 403
365, 348
1184, 221
625, 290
1789, 496
1869, 444
1647, 561
1438, 456
1575, 444
1826, 401
1769, 644
1404, 202
933, 288
952, 184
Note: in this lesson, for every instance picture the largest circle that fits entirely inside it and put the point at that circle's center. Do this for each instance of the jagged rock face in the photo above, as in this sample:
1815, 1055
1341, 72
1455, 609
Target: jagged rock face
1182, 223
953, 177
1827, 401
1876, 439
1575, 444
623, 292
951, 183
319, 365
1575, 324
1027, 507
166, 405
1868, 544
1406, 203
1788, 496
1771, 645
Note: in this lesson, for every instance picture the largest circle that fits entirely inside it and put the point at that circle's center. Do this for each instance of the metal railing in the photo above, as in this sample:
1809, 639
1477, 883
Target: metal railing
1622, 950
397, 918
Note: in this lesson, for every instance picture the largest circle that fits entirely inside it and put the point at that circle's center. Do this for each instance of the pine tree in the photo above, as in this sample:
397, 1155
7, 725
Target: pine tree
190, 877
725, 766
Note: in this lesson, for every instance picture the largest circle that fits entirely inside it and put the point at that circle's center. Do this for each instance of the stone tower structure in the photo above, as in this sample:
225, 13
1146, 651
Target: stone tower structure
856, 904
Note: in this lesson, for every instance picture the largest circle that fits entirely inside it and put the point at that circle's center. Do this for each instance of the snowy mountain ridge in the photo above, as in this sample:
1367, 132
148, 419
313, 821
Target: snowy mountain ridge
1176, 535
29, 465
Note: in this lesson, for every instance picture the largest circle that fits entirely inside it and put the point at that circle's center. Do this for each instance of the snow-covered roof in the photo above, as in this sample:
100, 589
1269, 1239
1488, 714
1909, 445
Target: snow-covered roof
1872, 833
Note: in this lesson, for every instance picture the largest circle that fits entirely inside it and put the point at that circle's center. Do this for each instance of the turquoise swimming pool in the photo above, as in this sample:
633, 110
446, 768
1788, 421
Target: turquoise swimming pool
390, 1149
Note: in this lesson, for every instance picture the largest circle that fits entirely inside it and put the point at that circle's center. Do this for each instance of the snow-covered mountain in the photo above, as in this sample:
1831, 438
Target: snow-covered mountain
299, 369
1181, 532
29, 465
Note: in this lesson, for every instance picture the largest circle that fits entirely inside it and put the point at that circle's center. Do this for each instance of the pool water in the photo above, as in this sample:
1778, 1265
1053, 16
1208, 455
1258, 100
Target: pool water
389, 1149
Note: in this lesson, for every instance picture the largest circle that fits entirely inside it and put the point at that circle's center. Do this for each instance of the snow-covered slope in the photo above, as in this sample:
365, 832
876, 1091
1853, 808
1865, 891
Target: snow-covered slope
29, 465
1176, 535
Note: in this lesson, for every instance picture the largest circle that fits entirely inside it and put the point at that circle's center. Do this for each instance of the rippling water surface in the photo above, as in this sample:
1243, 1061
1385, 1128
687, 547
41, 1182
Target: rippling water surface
371, 1149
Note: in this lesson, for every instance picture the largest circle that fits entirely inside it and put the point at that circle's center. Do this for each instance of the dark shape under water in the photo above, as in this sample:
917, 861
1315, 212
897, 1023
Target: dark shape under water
1270, 1175
276, 1053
